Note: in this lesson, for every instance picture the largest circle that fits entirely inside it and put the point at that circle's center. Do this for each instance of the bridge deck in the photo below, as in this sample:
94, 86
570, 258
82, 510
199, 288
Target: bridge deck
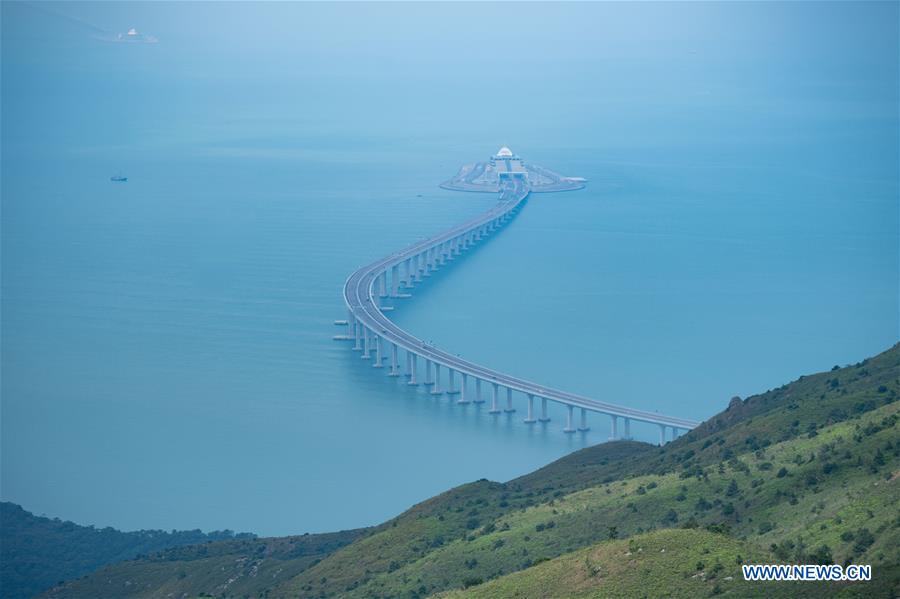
361, 297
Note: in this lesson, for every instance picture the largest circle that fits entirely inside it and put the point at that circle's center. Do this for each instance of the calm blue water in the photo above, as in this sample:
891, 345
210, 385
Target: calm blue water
167, 356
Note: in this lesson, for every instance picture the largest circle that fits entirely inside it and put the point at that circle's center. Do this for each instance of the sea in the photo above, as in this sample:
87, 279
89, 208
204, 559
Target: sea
167, 351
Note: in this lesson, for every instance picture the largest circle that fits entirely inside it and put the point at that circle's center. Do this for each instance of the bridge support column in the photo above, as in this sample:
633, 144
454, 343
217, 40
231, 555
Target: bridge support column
627, 429
674, 432
451, 382
436, 390
428, 380
662, 434
382, 284
410, 275
544, 417
418, 260
395, 367
462, 388
530, 418
395, 280
429, 261
478, 398
613, 427
408, 364
584, 427
494, 409
357, 334
367, 345
377, 363
509, 406
569, 428
351, 324
412, 369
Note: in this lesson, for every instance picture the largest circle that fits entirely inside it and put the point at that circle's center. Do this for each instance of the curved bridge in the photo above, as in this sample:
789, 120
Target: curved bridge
373, 332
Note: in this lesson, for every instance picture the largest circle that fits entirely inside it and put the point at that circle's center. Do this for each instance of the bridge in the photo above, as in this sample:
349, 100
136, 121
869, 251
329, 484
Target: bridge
380, 340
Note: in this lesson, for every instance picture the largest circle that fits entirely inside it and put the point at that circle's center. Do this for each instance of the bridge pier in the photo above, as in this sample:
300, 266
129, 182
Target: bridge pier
366, 344
428, 379
478, 398
395, 280
436, 389
382, 284
569, 428
351, 324
451, 382
395, 367
544, 417
509, 405
494, 409
462, 388
614, 426
357, 333
662, 434
627, 429
412, 368
584, 427
377, 363
529, 419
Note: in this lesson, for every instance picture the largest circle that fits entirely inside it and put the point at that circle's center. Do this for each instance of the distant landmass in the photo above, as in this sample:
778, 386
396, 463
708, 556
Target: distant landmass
37, 553
805, 473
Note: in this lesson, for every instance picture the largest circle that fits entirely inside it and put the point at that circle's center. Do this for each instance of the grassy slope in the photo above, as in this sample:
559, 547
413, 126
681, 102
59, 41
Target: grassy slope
231, 568
825, 430
37, 552
665, 563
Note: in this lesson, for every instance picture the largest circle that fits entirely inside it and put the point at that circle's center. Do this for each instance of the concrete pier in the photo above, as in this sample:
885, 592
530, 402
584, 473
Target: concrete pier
530, 419
509, 404
436, 388
583, 427
462, 389
357, 334
412, 371
544, 417
395, 367
478, 398
451, 382
569, 428
366, 344
495, 409
377, 363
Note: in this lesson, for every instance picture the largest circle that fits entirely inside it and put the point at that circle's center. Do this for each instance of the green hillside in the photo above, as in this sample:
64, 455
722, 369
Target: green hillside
804, 473
665, 563
38, 552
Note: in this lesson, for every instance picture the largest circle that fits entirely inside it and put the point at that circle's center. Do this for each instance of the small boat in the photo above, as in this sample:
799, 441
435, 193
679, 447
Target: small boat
118, 179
